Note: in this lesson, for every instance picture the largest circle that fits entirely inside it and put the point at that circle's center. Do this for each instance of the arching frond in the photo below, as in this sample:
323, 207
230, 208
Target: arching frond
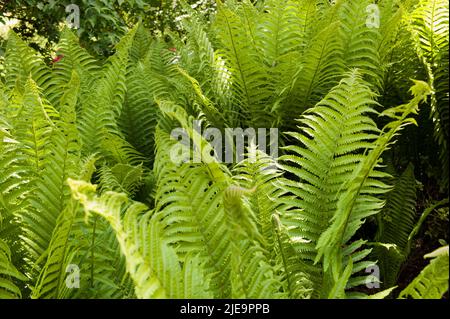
430, 29
8, 274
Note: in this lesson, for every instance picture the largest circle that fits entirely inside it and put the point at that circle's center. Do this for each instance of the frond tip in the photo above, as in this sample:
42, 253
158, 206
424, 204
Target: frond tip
432, 282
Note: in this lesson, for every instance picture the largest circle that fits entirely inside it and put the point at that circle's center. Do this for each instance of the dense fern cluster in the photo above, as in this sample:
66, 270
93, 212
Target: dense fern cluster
88, 182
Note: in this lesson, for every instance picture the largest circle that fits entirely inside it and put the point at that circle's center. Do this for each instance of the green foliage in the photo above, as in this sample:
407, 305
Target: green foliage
429, 26
333, 133
8, 272
432, 282
94, 179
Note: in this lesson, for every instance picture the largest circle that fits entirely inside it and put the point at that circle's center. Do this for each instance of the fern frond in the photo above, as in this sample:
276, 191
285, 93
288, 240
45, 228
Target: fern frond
51, 281
260, 173
151, 262
295, 270
189, 199
23, 62
73, 58
251, 273
60, 160
101, 109
350, 210
430, 29
282, 34
141, 43
335, 134
63, 247
121, 178
103, 272
248, 76
322, 65
206, 65
109, 207
139, 114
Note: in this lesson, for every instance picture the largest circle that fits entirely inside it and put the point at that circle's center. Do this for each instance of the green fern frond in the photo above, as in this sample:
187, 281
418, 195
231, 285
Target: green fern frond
350, 210
103, 106
8, 274
23, 62
295, 270
322, 65
335, 134
141, 43
51, 281
151, 262
32, 127
73, 58
248, 76
260, 173
109, 207
396, 222
206, 65
63, 247
139, 115
430, 29
339, 177
251, 273
361, 42
114, 148
102, 265
56, 160
432, 282
189, 200
121, 178
282, 34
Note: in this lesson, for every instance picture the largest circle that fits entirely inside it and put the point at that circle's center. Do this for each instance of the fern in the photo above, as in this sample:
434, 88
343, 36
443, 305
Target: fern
23, 62
139, 114
206, 64
249, 78
429, 24
188, 198
322, 63
51, 281
32, 128
8, 274
295, 274
251, 274
361, 42
152, 264
73, 58
93, 177
101, 108
349, 215
260, 173
396, 222
432, 282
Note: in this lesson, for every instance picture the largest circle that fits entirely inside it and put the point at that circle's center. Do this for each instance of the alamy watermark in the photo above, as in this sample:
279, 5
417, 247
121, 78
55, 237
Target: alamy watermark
226, 147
